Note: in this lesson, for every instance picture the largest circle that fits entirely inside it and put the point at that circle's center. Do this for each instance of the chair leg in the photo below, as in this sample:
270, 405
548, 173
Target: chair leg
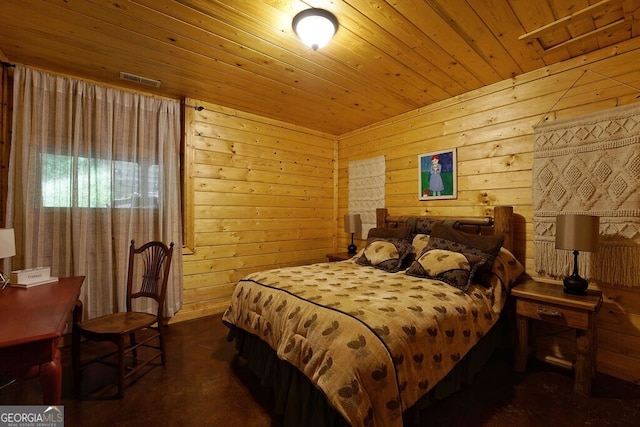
121, 367
163, 353
134, 352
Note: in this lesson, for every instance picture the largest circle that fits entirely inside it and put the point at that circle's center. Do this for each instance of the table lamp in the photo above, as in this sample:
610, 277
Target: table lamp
7, 250
577, 233
351, 224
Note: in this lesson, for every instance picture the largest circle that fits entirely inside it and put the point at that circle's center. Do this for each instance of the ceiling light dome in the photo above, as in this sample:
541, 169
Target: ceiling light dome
315, 27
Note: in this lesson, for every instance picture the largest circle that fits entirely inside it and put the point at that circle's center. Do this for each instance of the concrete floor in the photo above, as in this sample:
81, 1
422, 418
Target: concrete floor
204, 385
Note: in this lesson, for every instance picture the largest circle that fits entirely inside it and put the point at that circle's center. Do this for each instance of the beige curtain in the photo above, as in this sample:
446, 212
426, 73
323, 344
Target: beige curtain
92, 168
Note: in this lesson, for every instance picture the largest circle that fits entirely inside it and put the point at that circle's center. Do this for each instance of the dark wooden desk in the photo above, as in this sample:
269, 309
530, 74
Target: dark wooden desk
32, 321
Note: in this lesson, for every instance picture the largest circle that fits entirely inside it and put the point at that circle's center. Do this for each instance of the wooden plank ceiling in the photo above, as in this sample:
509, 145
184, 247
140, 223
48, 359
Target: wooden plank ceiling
388, 57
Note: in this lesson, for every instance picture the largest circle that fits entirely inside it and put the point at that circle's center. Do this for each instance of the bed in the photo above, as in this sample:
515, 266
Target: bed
372, 340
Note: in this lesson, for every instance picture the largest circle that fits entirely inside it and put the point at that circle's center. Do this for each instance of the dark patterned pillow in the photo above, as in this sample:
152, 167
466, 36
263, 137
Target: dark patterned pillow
454, 268
389, 233
419, 225
385, 254
487, 247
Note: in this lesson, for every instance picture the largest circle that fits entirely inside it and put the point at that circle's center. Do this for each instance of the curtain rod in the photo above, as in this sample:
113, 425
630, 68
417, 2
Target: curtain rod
195, 107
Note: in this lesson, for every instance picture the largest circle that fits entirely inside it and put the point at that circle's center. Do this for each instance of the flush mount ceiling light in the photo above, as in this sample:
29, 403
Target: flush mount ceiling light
315, 27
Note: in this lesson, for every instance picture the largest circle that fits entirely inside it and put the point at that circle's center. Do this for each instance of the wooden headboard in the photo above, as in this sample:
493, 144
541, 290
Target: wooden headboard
500, 223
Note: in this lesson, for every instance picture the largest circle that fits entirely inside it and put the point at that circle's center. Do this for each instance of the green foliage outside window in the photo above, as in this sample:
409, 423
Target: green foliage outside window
95, 183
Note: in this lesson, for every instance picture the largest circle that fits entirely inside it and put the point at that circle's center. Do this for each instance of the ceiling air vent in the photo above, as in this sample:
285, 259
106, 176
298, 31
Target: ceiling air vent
140, 80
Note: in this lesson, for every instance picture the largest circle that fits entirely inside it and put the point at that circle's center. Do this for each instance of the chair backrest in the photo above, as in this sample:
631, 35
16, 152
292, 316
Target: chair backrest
148, 272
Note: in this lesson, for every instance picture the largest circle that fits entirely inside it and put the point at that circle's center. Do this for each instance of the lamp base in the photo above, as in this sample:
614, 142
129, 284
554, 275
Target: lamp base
575, 285
352, 249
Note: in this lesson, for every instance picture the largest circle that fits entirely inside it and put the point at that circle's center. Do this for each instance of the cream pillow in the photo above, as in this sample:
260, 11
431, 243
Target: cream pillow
419, 242
385, 254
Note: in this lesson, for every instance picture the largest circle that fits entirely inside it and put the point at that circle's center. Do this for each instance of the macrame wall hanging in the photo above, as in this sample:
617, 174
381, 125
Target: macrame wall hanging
366, 190
590, 165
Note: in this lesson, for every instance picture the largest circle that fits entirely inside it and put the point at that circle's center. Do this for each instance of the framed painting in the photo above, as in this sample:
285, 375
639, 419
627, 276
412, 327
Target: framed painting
438, 175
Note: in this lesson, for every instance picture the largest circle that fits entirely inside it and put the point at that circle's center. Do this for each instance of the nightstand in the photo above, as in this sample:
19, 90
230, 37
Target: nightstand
340, 256
547, 302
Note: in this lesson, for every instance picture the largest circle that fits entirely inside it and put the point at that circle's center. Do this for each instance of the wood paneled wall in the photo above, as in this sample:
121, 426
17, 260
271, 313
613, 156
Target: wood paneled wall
264, 194
259, 194
492, 131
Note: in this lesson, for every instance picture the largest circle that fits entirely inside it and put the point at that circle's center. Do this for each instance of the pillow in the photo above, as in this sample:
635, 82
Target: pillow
487, 247
506, 269
420, 225
453, 268
385, 254
420, 242
389, 233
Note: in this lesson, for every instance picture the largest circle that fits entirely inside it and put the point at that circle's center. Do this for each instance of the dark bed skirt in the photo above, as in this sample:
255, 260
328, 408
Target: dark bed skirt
299, 403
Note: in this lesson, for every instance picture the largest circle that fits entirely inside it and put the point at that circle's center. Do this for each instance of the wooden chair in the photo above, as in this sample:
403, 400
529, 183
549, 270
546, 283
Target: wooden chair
152, 261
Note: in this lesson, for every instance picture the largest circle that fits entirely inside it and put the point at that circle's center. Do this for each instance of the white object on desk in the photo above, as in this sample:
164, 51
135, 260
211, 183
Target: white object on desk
30, 285
31, 276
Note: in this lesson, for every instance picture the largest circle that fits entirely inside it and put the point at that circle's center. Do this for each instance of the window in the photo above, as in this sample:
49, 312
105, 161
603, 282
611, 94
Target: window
69, 181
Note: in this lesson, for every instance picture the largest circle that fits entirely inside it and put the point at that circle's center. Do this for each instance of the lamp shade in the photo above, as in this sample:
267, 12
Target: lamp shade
7, 243
315, 27
577, 232
351, 223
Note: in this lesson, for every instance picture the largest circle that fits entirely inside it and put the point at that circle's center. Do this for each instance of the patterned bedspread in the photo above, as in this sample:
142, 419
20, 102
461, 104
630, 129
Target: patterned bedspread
373, 342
